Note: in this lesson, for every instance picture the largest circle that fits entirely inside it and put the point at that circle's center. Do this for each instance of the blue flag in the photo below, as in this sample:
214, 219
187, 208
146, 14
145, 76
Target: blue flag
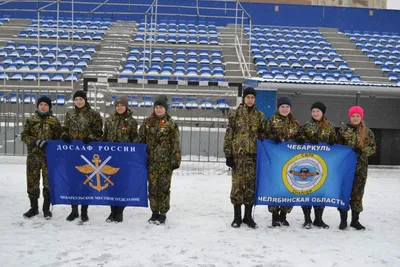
289, 174
99, 173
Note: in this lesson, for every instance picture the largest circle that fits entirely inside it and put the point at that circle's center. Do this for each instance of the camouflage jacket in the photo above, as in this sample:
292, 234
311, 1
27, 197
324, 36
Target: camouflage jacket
281, 126
162, 139
38, 127
244, 128
83, 123
312, 130
349, 135
121, 128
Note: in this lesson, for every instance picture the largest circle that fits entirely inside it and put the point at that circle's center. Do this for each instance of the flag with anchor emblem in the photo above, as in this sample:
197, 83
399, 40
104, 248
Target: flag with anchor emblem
99, 173
289, 174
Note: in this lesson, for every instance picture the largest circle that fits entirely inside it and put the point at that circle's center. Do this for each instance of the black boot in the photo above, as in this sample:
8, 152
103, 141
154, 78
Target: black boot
74, 213
282, 219
84, 213
307, 217
111, 217
354, 221
237, 219
34, 210
161, 218
318, 219
248, 218
343, 219
46, 209
119, 215
275, 219
154, 217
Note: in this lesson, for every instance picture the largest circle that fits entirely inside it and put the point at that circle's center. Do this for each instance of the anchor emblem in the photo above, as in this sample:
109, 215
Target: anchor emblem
97, 170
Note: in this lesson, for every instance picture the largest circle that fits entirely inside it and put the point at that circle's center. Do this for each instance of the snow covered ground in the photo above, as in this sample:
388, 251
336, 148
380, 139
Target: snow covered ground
198, 232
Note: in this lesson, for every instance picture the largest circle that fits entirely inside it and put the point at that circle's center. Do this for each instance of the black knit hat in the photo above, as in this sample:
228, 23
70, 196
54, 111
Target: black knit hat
45, 99
283, 101
320, 106
249, 91
161, 100
80, 93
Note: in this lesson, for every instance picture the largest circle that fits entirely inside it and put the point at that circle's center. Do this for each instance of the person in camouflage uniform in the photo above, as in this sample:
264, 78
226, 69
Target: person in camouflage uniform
38, 129
120, 127
362, 140
319, 129
161, 135
81, 123
282, 126
245, 126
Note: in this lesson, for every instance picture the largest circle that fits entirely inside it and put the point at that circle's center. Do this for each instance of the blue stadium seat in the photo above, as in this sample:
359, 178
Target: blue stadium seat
133, 101
14, 98
29, 98
191, 103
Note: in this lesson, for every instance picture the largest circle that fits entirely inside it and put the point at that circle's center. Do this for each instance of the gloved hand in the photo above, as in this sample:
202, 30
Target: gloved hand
331, 142
66, 138
277, 140
175, 165
314, 141
300, 140
41, 144
357, 150
87, 140
230, 162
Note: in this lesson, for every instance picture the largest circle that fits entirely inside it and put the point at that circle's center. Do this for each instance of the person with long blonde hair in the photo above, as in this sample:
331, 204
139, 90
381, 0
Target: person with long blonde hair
356, 135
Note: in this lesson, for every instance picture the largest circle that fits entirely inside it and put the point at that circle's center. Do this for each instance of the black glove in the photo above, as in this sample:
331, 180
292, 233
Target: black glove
277, 140
314, 141
41, 144
87, 140
175, 165
230, 163
66, 138
331, 142
357, 150
300, 140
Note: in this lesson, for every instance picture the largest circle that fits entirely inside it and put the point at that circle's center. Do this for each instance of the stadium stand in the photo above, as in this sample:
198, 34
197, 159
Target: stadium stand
381, 48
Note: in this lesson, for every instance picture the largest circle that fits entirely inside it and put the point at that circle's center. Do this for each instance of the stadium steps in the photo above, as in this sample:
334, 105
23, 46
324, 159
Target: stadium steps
113, 48
13, 27
356, 59
232, 68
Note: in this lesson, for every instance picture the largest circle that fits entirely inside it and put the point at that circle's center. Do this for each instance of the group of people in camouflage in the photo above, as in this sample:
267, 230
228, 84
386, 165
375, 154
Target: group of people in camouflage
158, 131
247, 124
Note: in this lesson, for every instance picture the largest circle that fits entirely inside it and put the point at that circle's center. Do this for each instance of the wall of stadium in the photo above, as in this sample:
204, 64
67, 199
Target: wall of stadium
261, 13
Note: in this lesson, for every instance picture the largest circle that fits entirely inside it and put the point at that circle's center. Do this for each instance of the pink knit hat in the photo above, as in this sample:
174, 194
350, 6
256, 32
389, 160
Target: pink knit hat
358, 110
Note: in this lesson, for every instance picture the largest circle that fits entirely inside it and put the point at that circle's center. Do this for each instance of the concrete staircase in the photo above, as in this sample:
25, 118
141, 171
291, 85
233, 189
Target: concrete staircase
232, 65
357, 60
11, 28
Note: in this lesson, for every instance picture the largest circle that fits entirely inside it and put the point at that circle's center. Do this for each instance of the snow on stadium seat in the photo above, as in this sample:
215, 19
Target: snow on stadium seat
191, 103
29, 98
206, 103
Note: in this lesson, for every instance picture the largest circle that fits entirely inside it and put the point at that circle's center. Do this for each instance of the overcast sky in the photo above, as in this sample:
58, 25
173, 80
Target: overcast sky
393, 4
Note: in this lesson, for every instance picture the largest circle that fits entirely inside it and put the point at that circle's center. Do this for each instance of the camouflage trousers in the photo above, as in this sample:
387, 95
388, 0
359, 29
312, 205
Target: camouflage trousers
357, 192
243, 181
35, 164
315, 207
159, 187
279, 208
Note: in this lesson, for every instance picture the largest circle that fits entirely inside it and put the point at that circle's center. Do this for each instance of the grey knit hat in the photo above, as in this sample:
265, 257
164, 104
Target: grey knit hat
122, 99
